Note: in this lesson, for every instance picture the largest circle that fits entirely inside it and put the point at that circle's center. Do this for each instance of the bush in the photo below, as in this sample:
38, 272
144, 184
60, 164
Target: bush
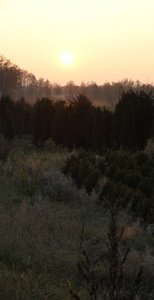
83, 170
141, 158
91, 179
119, 174
120, 157
141, 205
146, 170
5, 147
132, 179
147, 186
101, 164
49, 145
149, 149
57, 187
111, 191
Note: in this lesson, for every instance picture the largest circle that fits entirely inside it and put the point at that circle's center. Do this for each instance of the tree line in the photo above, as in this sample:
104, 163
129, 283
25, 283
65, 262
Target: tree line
77, 123
20, 83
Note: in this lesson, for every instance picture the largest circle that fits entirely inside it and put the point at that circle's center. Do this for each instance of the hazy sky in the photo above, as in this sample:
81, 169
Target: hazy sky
109, 40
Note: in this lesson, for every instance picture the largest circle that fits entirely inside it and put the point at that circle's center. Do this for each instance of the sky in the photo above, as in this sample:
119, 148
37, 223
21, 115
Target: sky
109, 40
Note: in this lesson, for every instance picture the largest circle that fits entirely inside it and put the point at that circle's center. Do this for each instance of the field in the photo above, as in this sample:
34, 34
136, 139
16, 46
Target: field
49, 228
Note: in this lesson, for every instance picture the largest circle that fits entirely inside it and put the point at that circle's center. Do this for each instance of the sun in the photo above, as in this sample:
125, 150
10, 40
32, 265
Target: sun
66, 58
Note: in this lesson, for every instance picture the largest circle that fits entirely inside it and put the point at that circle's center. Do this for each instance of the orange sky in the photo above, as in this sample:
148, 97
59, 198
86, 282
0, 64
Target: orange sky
109, 40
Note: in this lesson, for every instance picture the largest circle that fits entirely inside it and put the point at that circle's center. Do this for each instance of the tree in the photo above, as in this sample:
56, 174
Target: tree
70, 90
9, 128
115, 289
83, 88
97, 136
128, 130
107, 117
57, 90
117, 124
48, 112
81, 121
143, 108
102, 129
5, 101
60, 127
23, 117
10, 76
38, 134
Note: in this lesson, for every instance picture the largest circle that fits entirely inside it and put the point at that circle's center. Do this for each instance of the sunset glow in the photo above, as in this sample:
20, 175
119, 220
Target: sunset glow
110, 40
66, 58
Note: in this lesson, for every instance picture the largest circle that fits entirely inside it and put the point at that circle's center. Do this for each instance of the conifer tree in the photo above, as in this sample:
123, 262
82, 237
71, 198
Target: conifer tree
143, 109
117, 123
107, 117
96, 129
8, 126
38, 134
128, 130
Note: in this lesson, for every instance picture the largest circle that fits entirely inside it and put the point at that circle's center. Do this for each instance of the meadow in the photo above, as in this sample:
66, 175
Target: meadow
56, 229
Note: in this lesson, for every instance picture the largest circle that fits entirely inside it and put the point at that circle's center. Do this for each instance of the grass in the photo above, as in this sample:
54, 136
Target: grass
45, 221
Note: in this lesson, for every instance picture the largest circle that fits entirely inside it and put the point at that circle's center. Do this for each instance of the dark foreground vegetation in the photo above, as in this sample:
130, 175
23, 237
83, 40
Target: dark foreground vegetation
77, 199
72, 225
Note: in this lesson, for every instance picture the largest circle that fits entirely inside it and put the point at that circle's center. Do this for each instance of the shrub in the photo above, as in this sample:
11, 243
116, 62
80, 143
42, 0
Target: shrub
26, 185
57, 186
119, 174
141, 158
146, 186
101, 164
130, 163
120, 157
111, 191
146, 170
91, 179
132, 179
139, 205
111, 169
49, 145
83, 170
5, 147
149, 149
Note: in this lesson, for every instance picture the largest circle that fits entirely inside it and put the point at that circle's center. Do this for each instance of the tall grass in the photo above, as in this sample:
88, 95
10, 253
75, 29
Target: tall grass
45, 221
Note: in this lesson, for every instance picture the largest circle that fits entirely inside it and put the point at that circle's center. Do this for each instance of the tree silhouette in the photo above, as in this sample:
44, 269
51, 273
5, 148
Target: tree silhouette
81, 121
8, 128
142, 105
48, 112
117, 124
97, 135
23, 117
10, 75
38, 134
102, 129
143, 108
128, 131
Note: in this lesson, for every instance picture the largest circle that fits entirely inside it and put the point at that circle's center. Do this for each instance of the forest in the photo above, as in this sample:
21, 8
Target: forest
76, 191
19, 83
79, 124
